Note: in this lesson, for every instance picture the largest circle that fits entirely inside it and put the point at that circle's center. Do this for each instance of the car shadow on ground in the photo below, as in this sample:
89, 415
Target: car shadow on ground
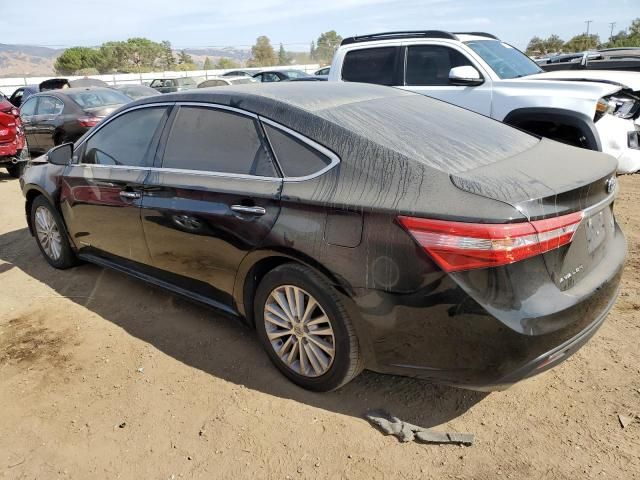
202, 338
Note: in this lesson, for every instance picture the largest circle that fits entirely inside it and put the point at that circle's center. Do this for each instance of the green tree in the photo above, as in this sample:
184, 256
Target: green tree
184, 57
167, 60
554, 44
582, 42
328, 43
283, 58
208, 64
225, 63
262, 53
627, 38
77, 58
312, 51
536, 46
133, 55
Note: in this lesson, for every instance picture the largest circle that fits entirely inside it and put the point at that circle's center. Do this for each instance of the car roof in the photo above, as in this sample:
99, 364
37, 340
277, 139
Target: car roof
259, 98
383, 118
67, 91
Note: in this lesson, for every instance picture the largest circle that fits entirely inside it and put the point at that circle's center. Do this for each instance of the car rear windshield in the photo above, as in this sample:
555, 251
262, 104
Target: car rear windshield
505, 60
98, 98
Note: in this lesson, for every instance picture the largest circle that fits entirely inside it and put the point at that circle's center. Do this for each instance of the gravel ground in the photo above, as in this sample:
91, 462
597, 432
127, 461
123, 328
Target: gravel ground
102, 376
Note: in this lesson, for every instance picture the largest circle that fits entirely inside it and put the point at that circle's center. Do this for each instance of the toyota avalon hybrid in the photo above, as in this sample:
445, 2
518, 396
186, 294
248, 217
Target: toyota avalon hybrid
353, 226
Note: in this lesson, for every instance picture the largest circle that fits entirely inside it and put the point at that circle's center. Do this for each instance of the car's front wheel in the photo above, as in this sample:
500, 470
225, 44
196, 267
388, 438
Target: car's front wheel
50, 234
305, 328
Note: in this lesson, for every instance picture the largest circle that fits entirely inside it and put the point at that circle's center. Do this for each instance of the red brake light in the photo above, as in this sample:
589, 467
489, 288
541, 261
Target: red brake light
88, 121
459, 246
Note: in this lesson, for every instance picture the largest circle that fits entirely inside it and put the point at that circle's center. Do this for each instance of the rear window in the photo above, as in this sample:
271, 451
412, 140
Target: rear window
370, 65
98, 98
296, 158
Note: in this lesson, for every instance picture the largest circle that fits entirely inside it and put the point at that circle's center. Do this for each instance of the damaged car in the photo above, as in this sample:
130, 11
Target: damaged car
353, 226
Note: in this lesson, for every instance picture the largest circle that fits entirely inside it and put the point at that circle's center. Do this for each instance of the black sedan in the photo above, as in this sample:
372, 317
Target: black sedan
58, 116
279, 75
354, 226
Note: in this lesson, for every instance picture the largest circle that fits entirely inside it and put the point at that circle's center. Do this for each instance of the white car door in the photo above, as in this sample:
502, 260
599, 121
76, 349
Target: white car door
427, 67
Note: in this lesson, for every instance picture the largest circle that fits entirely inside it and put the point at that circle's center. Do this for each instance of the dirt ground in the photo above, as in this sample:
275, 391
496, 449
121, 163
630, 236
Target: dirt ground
102, 376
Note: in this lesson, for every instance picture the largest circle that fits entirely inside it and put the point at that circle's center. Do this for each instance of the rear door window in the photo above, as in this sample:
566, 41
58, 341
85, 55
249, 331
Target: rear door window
50, 106
370, 65
125, 140
295, 157
431, 64
213, 140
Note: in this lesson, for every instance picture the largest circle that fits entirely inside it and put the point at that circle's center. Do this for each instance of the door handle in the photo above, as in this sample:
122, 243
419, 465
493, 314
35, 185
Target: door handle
129, 195
248, 210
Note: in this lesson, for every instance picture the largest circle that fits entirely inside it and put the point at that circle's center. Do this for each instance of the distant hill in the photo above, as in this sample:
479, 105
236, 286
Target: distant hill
19, 60
214, 54
27, 60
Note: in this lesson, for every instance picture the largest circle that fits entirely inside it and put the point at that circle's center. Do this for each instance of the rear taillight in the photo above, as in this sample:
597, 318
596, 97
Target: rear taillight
459, 246
88, 121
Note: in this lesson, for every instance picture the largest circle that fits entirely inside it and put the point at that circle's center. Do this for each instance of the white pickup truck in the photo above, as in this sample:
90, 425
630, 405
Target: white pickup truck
599, 110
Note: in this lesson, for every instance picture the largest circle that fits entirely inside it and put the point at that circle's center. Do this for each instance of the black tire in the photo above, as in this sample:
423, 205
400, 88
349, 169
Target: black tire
347, 362
15, 170
67, 257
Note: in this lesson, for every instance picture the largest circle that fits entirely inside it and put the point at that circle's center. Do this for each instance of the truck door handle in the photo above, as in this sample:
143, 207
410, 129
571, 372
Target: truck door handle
129, 195
248, 210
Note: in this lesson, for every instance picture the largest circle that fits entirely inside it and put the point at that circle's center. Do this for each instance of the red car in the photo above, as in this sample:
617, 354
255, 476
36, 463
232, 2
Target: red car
12, 142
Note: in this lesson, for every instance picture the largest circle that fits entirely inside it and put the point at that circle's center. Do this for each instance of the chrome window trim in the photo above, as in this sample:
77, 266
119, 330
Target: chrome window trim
206, 173
334, 159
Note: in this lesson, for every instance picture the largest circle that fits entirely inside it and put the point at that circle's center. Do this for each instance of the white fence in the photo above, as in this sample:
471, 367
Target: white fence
8, 85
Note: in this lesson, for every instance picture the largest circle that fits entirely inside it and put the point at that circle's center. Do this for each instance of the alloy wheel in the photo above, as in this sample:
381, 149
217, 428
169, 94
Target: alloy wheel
299, 331
48, 233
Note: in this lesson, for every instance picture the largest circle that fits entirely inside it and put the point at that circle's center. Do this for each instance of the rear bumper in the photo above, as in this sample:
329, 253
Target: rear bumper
442, 333
548, 359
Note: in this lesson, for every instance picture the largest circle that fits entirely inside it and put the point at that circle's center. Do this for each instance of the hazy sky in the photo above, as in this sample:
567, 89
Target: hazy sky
194, 23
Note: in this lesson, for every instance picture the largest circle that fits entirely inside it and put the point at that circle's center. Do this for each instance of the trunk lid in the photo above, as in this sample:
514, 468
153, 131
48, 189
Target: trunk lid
551, 180
101, 111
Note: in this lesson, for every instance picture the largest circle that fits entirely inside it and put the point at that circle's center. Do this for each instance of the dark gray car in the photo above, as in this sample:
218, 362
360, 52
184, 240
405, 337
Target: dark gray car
169, 85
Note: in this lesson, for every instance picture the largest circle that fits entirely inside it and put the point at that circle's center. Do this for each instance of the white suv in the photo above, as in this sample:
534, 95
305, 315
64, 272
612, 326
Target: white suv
598, 110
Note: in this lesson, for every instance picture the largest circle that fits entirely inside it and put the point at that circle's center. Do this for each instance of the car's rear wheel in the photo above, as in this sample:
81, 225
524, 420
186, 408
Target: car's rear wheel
305, 328
50, 234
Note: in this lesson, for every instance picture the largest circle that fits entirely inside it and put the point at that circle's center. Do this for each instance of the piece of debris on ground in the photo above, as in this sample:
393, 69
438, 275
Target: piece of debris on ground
407, 432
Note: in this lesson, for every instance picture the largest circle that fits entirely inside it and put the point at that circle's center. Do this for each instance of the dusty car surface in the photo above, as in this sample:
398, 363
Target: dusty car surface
352, 225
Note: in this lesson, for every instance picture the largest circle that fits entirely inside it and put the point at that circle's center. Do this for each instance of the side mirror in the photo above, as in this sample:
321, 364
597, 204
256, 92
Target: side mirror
467, 76
60, 155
